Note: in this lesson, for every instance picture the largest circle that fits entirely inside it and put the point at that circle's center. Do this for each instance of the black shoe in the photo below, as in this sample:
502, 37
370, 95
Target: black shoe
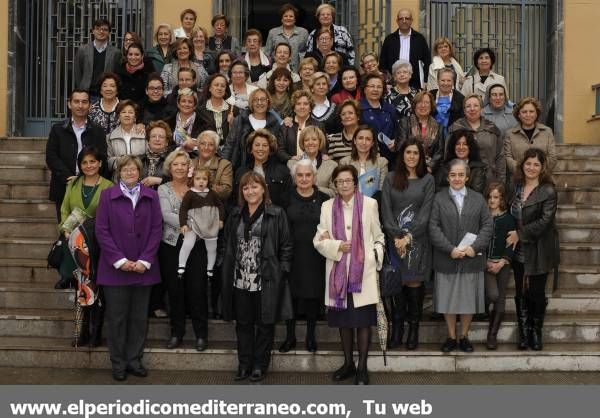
361, 377
257, 375
139, 371
287, 345
465, 345
311, 344
449, 345
64, 283
174, 342
344, 372
201, 344
242, 374
119, 375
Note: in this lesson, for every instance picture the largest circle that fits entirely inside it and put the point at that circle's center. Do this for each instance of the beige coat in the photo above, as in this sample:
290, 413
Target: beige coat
516, 143
373, 244
324, 180
222, 176
117, 147
437, 64
381, 163
473, 84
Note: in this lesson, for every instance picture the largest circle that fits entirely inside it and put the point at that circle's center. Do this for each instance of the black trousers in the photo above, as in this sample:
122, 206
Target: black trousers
126, 314
254, 339
187, 294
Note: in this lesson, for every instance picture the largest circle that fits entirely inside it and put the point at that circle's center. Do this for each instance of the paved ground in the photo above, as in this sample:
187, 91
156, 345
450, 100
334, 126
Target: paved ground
18, 376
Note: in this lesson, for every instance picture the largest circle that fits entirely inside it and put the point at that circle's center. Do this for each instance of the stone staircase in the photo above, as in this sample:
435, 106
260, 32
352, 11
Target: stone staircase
36, 321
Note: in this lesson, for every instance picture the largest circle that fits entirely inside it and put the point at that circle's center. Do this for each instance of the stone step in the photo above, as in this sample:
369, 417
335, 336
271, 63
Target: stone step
27, 270
576, 179
25, 158
18, 247
578, 195
28, 228
573, 254
41, 296
578, 328
222, 356
580, 277
27, 208
579, 150
578, 163
578, 214
579, 233
17, 189
8, 172
23, 144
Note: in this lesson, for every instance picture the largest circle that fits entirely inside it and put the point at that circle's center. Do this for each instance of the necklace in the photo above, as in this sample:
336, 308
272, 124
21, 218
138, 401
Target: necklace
91, 190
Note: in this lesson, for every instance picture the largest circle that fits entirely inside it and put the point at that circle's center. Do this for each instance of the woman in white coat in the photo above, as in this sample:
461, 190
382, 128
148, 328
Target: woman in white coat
349, 237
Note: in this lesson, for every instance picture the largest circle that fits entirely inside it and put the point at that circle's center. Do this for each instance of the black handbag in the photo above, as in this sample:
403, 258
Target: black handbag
55, 255
390, 282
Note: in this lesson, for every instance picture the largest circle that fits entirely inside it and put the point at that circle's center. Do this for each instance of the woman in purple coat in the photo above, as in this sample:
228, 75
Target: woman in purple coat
128, 230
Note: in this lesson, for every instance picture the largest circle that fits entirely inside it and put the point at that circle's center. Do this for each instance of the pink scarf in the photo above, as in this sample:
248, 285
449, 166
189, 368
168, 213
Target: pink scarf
131, 69
341, 281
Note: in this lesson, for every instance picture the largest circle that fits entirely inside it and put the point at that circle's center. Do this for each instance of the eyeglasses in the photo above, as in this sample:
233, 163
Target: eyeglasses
129, 170
260, 100
155, 89
344, 181
102, 29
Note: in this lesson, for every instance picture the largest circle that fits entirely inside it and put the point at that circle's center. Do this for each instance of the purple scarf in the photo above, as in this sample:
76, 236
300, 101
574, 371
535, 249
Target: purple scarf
341, 281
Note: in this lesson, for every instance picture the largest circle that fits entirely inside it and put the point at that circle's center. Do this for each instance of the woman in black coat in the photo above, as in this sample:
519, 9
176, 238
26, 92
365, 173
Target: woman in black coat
257, 256
186, 124
462, 146
134, 74
537, 252
308, 267
262, 146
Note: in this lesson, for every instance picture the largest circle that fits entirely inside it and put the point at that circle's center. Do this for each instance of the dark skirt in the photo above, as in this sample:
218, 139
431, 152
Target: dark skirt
351, 317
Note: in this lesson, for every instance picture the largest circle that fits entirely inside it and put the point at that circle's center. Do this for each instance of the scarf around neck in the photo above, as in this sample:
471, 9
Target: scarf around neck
133, 69
342, 281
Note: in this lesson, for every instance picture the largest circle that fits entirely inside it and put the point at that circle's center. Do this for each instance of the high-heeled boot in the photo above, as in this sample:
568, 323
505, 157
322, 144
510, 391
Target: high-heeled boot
522, 323
290, 338
415, 296
311, 341
398, 315
537, 322
492, 335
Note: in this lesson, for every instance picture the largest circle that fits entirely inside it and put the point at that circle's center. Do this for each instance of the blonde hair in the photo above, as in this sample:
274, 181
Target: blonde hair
443, 40
171, 157
311, 130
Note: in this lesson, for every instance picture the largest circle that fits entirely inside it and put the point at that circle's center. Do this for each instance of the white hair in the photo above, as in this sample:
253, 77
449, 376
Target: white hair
304, 162
208, 134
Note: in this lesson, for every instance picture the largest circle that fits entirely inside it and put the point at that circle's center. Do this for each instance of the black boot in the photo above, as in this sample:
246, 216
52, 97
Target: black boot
415, 296
522, 323
96, 323
215, 293
311, 341
537, 322
290, 338
398, 315
495, 321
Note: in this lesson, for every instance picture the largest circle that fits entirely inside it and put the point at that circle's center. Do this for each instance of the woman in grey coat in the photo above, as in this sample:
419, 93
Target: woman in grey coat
460, 228
406, 205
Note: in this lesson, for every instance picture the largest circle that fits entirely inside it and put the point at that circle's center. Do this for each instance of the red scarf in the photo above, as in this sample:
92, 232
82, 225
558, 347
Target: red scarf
131, 69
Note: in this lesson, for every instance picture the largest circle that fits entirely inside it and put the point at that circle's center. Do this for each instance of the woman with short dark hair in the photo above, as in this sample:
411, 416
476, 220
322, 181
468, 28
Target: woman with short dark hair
483, 60
462, 145
181, 58
124, 139
221, 41
289, 32
103, 113
349, 237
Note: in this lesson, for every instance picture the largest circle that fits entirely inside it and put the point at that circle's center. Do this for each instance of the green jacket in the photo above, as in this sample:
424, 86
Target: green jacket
74, 200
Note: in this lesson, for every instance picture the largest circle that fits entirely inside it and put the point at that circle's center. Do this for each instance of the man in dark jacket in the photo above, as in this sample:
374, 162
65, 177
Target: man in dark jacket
406, 43
66, 140
95, 58
154, 106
